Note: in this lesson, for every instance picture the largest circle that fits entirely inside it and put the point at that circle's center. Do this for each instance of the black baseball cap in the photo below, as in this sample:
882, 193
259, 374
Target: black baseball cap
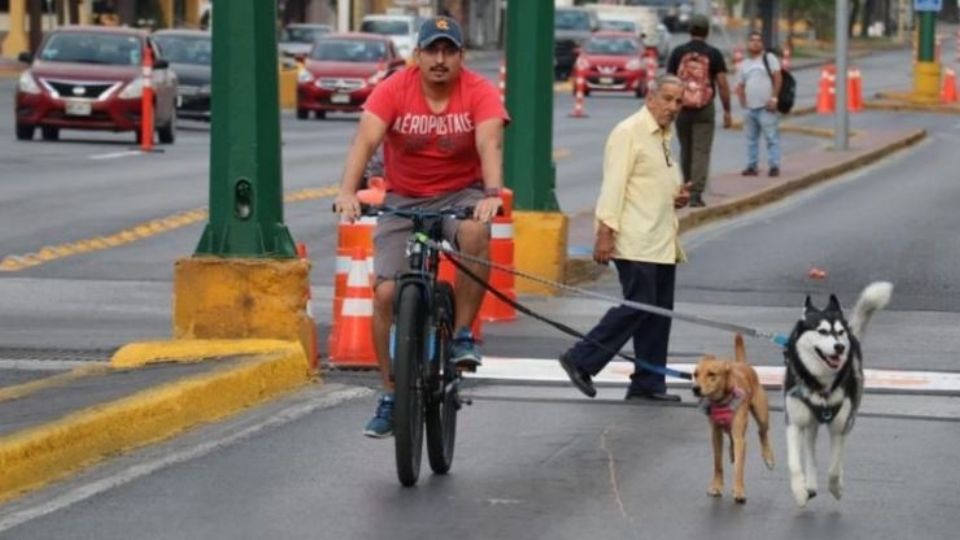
440, 28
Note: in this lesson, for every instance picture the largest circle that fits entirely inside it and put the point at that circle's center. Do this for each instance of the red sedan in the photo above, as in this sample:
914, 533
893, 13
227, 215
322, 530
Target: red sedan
613, 62
90, 78
342, 70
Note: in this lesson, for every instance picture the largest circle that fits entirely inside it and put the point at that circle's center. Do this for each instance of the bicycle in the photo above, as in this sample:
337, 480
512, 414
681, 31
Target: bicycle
426, 383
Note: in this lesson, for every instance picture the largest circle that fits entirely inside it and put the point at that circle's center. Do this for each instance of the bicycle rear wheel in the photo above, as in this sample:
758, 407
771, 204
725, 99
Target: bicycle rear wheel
443, 400
410, 338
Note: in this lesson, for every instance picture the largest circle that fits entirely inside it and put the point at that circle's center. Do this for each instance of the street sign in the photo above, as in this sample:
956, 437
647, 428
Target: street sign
927, 5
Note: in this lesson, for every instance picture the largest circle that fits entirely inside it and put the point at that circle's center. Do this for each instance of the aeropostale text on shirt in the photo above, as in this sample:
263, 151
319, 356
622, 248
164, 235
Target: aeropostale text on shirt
432, 124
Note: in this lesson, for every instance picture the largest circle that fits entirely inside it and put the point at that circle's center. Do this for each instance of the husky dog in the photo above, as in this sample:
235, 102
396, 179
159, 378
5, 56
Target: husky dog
823, 385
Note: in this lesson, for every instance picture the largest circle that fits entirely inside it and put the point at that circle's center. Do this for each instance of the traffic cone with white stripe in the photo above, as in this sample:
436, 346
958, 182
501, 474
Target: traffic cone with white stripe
501, 253
351, 342
580, 83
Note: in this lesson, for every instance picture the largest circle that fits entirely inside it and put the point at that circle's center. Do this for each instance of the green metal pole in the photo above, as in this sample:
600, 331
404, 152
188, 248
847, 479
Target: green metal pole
926, 48
246, 186
528, 153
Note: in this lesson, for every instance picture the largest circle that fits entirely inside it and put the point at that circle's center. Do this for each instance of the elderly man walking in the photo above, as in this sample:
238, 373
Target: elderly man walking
637, 229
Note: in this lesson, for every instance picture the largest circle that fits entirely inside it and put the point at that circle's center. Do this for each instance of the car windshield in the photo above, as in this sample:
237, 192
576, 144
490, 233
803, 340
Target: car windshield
386, 28
186, 50
571, 20
618, 26
342, 50
612, 46
300, 34
92, 48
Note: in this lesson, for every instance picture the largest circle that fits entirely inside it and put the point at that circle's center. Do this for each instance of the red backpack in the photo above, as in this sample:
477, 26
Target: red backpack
694, 71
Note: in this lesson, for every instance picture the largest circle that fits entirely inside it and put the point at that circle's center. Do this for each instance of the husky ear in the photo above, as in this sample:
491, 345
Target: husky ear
808, 305
834, 304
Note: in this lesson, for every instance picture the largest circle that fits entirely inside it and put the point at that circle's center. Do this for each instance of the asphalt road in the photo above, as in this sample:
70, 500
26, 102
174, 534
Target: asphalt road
544, 465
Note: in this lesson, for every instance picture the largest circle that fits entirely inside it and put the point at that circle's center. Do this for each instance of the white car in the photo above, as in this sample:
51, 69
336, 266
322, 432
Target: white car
401, 29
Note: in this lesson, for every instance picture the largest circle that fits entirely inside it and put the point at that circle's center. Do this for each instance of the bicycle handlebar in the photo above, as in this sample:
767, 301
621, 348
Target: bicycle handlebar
456, 212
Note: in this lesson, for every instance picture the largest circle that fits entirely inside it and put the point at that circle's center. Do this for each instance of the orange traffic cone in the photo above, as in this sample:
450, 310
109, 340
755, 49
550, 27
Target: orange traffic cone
948, 94
375, 193
351, 343
825, 95
855, 91
503, 81
581, 84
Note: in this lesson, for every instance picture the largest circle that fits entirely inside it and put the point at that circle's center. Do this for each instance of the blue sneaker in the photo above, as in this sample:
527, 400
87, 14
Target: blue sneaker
463, 351
381, 425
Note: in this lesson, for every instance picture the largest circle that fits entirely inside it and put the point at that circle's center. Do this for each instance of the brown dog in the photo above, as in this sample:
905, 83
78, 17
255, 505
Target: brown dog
728, 391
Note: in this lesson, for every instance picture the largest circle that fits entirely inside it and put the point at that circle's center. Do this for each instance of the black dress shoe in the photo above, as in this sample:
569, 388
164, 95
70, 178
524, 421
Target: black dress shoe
652, 396
579, 377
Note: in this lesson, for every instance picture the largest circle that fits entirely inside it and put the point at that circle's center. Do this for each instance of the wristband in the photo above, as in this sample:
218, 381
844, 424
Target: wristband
492, 192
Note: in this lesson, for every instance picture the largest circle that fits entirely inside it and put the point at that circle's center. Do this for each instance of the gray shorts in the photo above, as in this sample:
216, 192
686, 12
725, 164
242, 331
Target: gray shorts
391, 234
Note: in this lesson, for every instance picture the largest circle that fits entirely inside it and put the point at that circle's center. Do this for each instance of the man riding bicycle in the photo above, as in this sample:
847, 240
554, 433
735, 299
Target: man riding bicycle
442, 128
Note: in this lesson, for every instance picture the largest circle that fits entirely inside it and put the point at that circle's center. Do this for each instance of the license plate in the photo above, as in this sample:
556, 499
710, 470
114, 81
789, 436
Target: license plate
78, 108
340, 98
606, 80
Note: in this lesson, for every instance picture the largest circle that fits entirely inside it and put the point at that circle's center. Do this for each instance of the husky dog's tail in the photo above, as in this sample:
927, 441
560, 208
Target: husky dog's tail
874, 297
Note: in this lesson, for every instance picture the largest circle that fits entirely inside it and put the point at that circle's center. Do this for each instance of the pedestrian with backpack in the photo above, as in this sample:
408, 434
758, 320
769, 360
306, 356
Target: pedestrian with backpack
703, 71
758, 88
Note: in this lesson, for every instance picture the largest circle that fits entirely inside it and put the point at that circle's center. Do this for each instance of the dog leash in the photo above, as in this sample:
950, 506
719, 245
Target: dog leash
663, 370
776, 338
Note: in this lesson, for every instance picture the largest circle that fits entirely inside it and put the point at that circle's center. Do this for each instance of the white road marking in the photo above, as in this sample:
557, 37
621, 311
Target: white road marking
549, 370
115, 155
86, 491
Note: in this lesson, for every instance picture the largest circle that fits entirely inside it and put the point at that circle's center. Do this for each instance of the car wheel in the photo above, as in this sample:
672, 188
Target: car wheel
303, 114
320, 115
25, 132
50, 133
168, 133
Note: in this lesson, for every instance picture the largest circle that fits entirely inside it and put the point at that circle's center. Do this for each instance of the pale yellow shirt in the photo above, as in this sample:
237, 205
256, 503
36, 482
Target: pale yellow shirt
636, 198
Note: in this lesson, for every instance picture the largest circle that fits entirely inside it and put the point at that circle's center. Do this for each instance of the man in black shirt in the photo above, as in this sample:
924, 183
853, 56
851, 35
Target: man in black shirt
703, 71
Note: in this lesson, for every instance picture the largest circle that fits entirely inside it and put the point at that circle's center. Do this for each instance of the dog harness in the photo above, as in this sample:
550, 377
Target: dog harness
823, 413
721, 412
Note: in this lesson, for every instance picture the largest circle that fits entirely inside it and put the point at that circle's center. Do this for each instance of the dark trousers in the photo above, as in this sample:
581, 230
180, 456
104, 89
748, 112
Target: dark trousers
695, 129
649, 283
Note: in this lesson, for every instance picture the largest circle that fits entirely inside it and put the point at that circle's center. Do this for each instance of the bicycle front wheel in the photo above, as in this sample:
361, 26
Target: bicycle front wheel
443, 399
409, 341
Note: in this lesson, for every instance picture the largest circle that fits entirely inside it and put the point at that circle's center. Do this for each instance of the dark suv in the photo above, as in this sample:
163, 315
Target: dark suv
571, 27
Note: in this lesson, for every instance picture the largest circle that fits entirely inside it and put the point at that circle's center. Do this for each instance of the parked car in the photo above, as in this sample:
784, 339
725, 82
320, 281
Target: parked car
572, 26
190, 53
342, 70
297, 39
613, 62
642, 21
86, 77
401, 29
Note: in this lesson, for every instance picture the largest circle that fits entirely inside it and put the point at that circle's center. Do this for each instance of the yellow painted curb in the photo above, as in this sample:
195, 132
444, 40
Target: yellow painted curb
189, 350
32, 458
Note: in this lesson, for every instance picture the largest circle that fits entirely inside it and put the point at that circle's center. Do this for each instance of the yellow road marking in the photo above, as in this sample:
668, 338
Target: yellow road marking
16, 263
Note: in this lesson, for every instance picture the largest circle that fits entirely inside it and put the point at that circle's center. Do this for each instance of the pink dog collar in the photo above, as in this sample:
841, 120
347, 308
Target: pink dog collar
721, 412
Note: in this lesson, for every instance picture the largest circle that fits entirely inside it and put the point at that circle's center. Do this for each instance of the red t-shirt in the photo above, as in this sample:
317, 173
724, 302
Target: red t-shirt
427, 154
